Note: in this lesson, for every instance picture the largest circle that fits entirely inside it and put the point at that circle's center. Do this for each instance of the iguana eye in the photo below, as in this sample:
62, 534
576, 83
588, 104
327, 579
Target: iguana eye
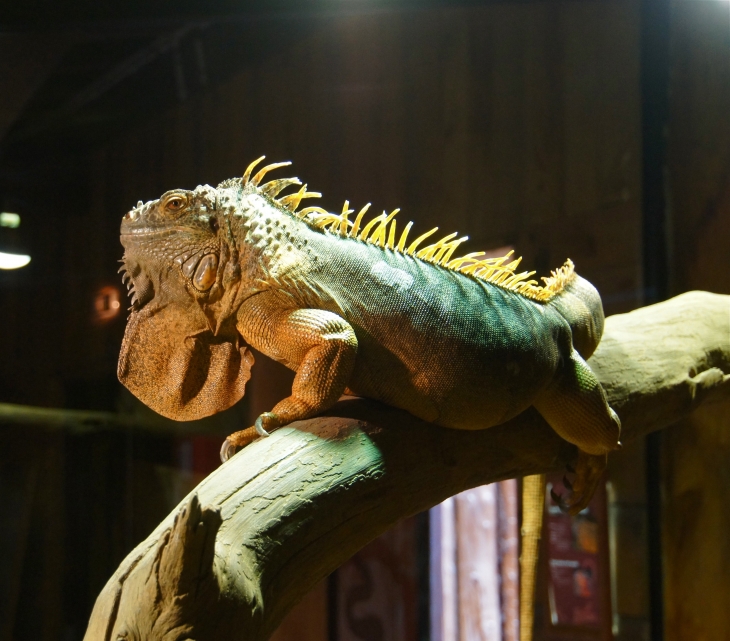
175, 203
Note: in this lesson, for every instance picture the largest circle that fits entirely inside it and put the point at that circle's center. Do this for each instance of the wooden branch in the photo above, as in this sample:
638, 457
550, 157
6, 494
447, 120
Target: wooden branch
289, 509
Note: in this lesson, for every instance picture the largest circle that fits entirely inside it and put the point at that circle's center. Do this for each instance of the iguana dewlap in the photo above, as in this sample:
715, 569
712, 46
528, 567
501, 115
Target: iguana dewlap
352, 306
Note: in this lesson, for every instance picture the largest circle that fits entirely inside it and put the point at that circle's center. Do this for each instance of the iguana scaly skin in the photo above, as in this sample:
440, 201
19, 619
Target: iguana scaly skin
352, 307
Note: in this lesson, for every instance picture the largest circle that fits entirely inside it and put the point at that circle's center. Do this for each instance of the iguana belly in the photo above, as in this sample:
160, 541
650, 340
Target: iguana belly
450, 383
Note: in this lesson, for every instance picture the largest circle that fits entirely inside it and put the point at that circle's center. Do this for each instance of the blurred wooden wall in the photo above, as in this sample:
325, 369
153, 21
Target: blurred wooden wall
696, 475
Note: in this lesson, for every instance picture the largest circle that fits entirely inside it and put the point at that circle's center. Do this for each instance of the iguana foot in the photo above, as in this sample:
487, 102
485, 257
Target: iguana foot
267, 421
588, 471
236, 441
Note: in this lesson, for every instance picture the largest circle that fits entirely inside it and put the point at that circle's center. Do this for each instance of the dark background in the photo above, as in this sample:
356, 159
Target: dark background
596, 130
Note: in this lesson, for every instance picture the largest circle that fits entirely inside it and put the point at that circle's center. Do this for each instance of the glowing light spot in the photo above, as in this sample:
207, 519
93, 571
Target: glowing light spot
107, 303
13, 261
8, 219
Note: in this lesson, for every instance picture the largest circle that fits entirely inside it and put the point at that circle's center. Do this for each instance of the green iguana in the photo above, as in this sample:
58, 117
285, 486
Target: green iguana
353, 307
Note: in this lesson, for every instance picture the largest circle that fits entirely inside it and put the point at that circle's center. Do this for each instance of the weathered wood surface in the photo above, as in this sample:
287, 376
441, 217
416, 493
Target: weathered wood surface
289, 509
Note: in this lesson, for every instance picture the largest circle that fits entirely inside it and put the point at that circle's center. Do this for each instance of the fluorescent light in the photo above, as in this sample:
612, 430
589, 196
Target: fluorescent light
9, 220
13, 261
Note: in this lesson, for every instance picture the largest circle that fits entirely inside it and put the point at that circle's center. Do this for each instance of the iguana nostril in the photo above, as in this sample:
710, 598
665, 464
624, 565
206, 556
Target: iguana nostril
205, 274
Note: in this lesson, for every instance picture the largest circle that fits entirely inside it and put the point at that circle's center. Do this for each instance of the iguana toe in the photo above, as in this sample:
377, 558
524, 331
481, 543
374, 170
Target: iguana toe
588, 472
577, 503
558, 500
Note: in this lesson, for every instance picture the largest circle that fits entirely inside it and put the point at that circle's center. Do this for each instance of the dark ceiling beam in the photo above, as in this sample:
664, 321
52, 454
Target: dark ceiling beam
125, 69
27, 60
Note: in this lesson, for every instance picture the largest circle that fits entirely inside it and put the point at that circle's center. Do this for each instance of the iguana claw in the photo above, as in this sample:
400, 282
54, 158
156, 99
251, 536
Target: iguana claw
558, 500
259, 424
228, 449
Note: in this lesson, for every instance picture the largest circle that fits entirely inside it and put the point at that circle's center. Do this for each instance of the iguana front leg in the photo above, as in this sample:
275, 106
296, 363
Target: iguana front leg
319, 345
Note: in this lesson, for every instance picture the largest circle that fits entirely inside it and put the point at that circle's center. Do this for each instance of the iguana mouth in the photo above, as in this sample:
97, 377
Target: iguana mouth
149, 232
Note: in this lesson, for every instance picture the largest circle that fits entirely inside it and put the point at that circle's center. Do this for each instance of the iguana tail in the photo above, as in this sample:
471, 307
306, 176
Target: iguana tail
533, 504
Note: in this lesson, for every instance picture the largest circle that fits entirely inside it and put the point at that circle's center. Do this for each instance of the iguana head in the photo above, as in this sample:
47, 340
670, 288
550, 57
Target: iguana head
182, 355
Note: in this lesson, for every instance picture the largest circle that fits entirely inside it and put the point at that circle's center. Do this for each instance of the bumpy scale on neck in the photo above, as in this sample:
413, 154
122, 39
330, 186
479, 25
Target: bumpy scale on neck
273, 246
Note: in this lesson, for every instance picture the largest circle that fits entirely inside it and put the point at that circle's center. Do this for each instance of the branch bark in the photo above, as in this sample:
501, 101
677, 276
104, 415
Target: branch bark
289, 509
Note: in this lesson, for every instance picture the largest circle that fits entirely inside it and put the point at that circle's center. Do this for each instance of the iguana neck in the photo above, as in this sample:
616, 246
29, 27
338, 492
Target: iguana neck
276, 251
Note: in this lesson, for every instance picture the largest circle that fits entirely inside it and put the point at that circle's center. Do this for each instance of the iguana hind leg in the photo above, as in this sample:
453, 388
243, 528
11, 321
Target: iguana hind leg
576, 407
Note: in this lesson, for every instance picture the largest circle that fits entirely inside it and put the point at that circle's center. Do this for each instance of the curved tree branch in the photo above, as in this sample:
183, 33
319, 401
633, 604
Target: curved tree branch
289, 509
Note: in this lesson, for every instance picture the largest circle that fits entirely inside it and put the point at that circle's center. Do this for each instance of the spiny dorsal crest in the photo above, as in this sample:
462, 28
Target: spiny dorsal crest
381, 231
